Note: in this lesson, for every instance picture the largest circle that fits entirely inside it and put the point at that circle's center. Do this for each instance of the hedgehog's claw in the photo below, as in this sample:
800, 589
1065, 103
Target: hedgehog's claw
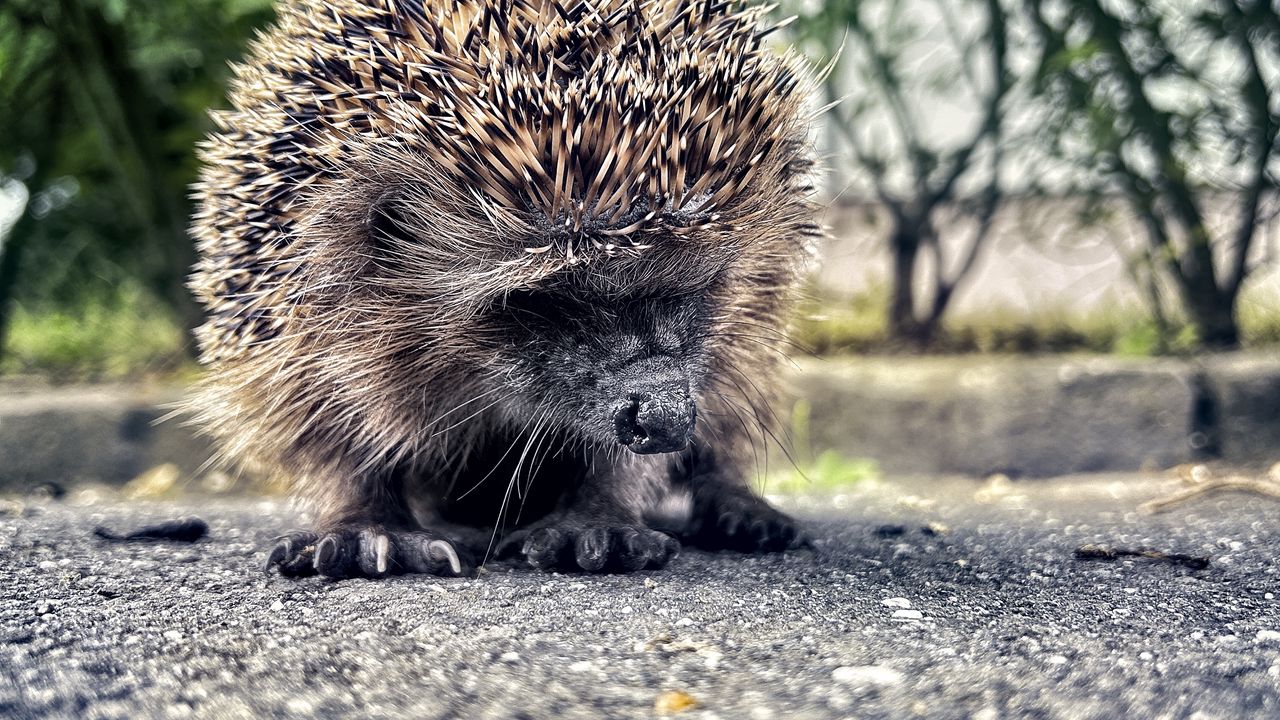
292, 554
594, 548
381, 555
370, 552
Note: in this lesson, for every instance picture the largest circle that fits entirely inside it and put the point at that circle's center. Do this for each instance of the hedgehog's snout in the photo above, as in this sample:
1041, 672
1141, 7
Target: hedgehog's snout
655, 422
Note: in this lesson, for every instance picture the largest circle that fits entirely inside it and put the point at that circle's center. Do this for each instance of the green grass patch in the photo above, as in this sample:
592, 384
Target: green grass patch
858, 325
123, 337
829, 474
1260, 317
129, 335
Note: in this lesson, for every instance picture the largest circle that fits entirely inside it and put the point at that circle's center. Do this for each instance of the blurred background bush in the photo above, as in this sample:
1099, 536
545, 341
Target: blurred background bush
1003, 175
101, 105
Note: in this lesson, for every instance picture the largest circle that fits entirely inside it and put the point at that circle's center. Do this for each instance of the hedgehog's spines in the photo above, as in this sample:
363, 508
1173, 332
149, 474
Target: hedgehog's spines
632, 124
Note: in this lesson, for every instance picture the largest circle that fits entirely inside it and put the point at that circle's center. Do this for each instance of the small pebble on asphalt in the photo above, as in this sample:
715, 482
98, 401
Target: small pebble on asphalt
861, 675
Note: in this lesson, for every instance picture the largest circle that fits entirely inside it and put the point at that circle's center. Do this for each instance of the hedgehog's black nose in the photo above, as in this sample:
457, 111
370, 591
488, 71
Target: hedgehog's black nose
655, 422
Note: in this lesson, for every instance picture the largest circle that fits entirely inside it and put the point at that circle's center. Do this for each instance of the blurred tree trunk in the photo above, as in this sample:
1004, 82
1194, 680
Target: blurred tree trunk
11, 254
915, 318
904, 246
1096, 65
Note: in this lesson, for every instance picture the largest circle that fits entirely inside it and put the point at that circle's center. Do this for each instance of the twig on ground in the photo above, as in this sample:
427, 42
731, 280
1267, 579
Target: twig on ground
188, 529
1101, 552
1201, 482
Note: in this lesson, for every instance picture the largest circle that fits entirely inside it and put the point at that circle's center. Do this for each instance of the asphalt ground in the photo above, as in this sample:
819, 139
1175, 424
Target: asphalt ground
946, 599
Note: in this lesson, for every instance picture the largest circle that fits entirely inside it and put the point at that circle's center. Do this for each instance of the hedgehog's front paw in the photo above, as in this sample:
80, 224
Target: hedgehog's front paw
594, 548
371, 552
743, 522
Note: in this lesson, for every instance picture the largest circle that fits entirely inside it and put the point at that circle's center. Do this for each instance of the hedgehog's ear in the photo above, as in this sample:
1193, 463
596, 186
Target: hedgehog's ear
385, 226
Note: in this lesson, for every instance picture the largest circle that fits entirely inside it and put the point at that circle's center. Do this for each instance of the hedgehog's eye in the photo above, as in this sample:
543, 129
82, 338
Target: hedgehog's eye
537, 305
525, 302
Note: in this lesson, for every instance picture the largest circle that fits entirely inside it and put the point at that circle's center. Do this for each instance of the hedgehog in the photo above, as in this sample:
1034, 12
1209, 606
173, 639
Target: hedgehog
505, 278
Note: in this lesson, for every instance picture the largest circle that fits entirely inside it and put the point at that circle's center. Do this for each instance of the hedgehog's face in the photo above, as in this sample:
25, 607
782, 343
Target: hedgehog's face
612, 364
607, 344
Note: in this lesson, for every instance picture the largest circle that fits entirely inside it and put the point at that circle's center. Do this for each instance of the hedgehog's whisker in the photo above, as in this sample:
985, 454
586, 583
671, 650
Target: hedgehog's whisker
537, 469
500, 524
761, 403
465, 403
472, 415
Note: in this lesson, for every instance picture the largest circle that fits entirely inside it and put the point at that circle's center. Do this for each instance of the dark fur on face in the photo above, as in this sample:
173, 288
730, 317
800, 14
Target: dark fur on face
483, 301
613, 365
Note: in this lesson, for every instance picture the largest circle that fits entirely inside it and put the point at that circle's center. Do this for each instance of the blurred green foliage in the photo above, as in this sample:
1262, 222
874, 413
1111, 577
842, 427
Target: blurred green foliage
103, 102
1167, 106
889, 145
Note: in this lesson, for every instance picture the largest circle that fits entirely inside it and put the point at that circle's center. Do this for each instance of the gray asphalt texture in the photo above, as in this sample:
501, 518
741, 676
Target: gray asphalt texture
947, 600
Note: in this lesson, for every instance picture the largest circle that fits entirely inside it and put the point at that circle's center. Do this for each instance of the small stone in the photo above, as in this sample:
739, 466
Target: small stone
277, 606
581, 666
907, 615
47, 565
878, 675
684, 622
510, 658
840, 702
1057, 660
896, 602
1267, 636
673, 702
156, 482
173, 636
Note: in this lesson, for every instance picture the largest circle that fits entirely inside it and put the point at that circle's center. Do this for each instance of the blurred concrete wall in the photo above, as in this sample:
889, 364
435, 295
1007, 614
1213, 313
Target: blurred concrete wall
1040, 256
975, 415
